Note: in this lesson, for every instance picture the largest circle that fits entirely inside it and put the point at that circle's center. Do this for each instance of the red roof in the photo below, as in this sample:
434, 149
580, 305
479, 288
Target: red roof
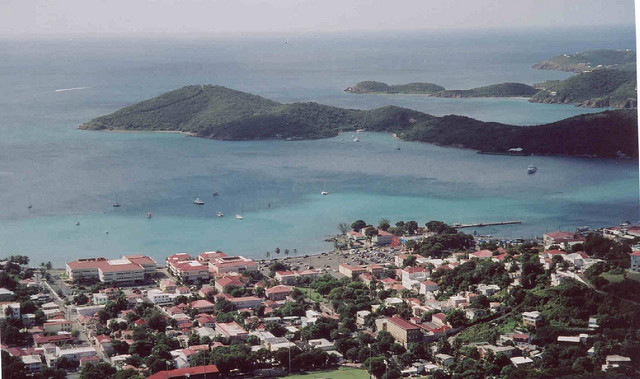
402, 323
190, 266
440, 316
123, 267
41, 339
182, 372
80, 264
286, 273
555, 252
140, 259
211, 255
482, 254
521, 336
383, 233
278, 289
500, 257
636, 253
429, 283
560, 235
201, 304
226, 281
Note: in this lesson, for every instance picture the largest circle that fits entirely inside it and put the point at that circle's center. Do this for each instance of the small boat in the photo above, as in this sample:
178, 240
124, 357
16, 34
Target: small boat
220, 214
148, 214
397, 148
77, 223
356, 139
107, 232
215, 194
29, 206
239, 216
197, 201
116, 205
324, 193
531, 169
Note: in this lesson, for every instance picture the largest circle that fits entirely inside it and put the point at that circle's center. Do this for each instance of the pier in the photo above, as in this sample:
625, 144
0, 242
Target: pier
481, 224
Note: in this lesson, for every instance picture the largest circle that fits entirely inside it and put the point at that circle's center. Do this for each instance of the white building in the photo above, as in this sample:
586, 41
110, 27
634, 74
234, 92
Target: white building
160, 298
33, 363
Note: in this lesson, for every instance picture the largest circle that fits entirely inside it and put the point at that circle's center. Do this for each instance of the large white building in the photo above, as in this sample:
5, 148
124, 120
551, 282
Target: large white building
129, 269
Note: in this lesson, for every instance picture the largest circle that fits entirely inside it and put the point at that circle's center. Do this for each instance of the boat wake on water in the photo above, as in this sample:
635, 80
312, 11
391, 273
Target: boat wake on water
71, 89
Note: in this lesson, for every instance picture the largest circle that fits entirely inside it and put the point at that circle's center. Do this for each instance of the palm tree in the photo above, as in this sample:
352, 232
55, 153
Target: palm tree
267, 254
286, 251
277, 251
295, 252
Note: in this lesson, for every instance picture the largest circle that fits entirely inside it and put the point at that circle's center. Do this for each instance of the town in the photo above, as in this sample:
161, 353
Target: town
388, 301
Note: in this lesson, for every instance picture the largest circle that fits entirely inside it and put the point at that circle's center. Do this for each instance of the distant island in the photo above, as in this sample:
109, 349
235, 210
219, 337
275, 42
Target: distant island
495, 90
590, 60
217, 112
607, 79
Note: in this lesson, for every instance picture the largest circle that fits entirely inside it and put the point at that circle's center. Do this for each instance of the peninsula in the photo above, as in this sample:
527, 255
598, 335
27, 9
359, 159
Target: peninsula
216, 112
495, 90
606, 79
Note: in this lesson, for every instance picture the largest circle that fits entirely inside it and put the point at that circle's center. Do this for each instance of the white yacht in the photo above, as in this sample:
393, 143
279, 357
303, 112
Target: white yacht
220, 214
197, 201
324, 193
531, 169
149, 214
239, 216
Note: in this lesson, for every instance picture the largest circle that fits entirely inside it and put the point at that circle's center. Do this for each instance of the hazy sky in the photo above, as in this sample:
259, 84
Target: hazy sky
241, 16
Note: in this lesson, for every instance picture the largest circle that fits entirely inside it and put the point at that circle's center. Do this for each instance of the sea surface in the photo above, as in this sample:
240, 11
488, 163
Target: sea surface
50, 86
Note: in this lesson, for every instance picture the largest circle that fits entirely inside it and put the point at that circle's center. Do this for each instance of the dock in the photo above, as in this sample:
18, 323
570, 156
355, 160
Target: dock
481, 224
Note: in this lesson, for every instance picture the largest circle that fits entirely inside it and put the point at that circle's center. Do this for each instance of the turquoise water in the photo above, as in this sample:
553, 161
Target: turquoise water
74, 176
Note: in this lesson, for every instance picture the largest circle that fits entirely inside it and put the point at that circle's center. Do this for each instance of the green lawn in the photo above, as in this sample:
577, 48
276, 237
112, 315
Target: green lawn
633, 275
311, 294
340, 373
612, 278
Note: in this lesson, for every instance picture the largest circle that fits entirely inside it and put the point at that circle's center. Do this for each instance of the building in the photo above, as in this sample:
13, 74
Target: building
278, 292
190, 271
117, 271
198, 372
285, 277
481, 254
160, 298
232, 264
225, 284
404, 332
32, 363
349, 271
521, 361
382, 238
561, 239
100, 299
209, 256
55, 326
75, 354
231, 330
412, 276
10, 310
635, 261
361, 318
531, 318
203, 306
168, 285
5, 294
244, 301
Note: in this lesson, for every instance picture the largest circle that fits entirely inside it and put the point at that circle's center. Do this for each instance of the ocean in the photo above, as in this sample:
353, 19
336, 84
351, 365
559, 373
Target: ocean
50, 86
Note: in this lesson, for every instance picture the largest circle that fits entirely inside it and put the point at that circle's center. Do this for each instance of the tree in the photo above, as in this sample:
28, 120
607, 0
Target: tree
370, 231
410, 260
376, 365
267, 254
80, 299
277, 251
12, 367
358, 225
286, 252
384, 224
343, 227
27, 307
100, 370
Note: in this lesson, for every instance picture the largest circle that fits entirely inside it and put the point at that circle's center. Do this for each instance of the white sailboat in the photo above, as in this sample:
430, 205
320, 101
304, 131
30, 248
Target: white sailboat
220, 214
324, 190
239, 215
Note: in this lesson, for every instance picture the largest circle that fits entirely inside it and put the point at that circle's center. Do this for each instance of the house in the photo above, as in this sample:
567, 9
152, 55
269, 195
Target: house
349, 271
531, 318
382, 238
562, 239
32, 363
612, 361
232, 264
488, 289
355, 236
308, 274
231, 330
183, 290
225, 284
521, 361
104, 343
360, 318
428, 286
206, 290
100, 298
55, 326
160, 298
203, 306
481, 254
321, 344
475, 313
168, 285
439, 319
5, 294
635, 261
285, 277
10, 310
404, 332
206, 320
40, 340
444, 360
209, 256
278, 292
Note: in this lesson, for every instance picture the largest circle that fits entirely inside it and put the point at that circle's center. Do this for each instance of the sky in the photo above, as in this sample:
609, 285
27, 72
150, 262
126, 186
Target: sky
75, 17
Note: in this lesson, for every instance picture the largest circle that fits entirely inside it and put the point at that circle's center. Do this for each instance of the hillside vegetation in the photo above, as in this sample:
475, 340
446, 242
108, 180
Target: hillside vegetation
222, 113
598, 88
495, 90
589, 60
371, 86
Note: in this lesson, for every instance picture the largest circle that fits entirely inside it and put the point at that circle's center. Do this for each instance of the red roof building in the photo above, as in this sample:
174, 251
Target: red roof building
481, 254
197, 372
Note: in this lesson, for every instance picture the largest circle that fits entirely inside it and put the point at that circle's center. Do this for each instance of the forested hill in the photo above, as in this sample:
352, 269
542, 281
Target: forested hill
221, 113
589, 60
494, 90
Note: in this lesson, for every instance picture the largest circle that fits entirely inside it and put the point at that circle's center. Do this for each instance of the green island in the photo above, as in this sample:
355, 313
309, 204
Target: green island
495, 90
221, 113
606, 79
589, 60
